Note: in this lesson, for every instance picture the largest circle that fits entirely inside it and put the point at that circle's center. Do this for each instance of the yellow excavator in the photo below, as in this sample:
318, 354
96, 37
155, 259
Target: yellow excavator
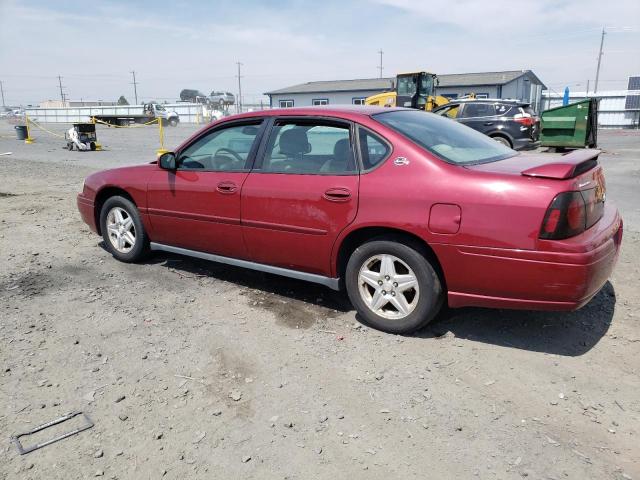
411, 90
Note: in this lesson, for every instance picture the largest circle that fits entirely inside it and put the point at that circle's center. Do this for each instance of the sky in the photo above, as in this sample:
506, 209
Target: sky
176, 44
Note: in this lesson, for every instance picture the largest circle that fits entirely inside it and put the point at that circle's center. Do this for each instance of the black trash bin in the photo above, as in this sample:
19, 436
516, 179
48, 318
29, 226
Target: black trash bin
21, 132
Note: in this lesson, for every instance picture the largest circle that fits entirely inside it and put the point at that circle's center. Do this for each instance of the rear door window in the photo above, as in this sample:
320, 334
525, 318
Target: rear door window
502, 109
309, 147
475, 110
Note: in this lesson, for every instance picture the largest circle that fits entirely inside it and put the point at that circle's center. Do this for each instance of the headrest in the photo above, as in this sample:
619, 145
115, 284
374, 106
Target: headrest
341, 150
294, 142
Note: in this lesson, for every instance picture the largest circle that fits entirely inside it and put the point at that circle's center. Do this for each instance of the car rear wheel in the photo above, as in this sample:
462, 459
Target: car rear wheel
173, 122
503, 140
122, 229
393, 286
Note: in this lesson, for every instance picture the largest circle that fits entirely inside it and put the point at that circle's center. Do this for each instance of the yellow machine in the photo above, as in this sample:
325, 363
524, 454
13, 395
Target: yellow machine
412, 90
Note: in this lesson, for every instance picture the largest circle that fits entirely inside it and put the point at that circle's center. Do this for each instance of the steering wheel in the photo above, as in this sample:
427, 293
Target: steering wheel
231, 152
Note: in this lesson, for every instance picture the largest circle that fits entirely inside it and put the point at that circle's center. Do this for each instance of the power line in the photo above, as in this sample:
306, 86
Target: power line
595, 88
135, 86
380, 67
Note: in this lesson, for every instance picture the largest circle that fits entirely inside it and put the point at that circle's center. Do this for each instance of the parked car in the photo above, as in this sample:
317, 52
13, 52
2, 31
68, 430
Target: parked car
222, 98
510, 122
404, 209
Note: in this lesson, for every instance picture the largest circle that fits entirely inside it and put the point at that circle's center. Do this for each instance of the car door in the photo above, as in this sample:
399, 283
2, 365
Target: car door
479, 116
197, 206
302, 192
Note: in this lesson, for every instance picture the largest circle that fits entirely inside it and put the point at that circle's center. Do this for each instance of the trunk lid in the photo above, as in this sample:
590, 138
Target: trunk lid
544, 165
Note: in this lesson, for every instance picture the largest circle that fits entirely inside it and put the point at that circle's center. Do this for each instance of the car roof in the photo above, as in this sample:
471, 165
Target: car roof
508, 101
321, 110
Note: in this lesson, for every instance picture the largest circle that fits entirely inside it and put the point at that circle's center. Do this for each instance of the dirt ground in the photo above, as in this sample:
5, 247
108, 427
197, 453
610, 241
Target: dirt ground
195, 370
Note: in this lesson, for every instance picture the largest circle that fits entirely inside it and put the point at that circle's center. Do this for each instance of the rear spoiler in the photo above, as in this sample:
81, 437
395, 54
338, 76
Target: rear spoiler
569, 165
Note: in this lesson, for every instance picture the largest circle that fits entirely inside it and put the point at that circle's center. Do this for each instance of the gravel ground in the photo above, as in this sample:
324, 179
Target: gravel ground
195, 370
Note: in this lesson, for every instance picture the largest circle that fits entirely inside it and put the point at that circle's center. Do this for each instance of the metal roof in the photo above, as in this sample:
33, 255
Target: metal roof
337, 86
380, 84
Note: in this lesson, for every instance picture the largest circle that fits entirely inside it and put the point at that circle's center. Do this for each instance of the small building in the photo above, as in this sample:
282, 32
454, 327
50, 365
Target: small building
516, 84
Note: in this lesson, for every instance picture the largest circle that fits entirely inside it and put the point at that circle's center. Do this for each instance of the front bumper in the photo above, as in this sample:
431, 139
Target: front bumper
86, 208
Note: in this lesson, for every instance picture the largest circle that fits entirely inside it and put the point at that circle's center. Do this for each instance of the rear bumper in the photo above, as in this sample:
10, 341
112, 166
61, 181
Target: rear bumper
564, 276
525, 144
87, 209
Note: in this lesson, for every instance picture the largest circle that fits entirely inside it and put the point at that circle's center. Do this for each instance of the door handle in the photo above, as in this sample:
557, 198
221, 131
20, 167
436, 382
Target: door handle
337, 195
488, 123
227, 187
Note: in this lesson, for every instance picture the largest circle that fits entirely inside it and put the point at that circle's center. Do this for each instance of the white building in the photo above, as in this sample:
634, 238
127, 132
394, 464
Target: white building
516, 84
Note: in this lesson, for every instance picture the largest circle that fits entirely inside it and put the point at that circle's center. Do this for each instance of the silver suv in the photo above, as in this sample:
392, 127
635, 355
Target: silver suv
222, 98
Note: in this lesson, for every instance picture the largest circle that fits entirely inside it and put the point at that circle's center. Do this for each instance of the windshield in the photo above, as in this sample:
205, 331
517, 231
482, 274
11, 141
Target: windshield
159, 108
449, 140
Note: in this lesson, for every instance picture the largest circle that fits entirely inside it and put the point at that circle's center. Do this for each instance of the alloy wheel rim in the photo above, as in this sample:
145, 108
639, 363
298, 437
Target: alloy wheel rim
388, 286
121, 230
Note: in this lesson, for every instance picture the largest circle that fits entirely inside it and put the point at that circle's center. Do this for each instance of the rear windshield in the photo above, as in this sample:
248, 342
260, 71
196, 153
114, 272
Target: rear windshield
451, 141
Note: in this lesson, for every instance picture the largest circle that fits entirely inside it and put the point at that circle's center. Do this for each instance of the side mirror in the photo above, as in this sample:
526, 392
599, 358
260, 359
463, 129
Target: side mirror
167, 161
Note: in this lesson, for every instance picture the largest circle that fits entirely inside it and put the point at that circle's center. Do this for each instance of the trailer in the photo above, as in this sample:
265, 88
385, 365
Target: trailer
126, 115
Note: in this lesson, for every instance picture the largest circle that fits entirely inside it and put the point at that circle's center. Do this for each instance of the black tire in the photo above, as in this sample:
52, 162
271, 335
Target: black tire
140, 247
429, 301
173, 122
503, 140
70, 146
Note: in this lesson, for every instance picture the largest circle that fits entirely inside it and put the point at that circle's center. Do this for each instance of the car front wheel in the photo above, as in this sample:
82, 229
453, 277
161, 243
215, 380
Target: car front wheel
393, 286
122, 229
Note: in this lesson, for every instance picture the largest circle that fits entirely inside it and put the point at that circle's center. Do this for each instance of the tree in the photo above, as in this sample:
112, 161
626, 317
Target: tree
122, 100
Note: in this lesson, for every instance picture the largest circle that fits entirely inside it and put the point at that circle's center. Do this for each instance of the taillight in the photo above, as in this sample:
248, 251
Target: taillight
571, 213
526, 121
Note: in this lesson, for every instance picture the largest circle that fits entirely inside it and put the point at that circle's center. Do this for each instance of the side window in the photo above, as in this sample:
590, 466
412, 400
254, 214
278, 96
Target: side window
473, 110
221, 150
373, 150
308, 147
502, 109
450, 111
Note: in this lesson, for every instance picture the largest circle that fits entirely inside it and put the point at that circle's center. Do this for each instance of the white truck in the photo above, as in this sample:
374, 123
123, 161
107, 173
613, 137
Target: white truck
127, 114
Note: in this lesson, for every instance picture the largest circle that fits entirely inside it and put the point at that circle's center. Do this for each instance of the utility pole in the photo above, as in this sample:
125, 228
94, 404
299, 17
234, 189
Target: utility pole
587, 92
239, 88
2, 91
595, 88
380, 67
61, 92
135, 86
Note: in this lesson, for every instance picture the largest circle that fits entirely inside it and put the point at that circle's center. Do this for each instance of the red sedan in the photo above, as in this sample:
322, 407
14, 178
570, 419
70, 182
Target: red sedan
404, 209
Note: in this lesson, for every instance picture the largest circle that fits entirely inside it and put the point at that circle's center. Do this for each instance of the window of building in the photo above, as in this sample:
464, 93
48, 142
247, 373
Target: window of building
482, 95
309, 147
286, 103
319, 101
358, 100
450, 95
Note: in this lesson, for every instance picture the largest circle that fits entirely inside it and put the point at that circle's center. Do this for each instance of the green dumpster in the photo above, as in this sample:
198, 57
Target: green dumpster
571, 126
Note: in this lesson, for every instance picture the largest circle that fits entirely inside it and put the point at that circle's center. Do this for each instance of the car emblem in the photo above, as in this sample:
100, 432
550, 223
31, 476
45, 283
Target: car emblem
401, 161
